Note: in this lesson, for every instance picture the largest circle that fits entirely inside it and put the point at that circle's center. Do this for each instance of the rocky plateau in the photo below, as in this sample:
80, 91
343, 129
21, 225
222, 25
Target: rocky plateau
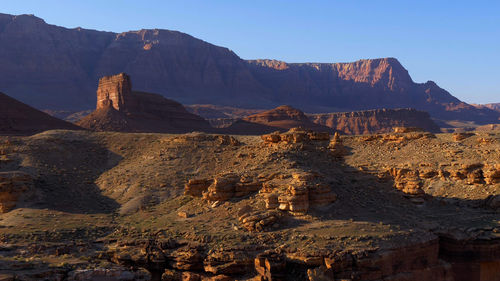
295, 205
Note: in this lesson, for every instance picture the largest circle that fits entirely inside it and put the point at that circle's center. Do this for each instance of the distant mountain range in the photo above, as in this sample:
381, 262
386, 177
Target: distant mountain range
493, 106
56, 68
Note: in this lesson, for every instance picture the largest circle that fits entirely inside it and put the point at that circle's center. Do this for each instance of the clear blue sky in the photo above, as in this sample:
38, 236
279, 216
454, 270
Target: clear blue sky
454, 43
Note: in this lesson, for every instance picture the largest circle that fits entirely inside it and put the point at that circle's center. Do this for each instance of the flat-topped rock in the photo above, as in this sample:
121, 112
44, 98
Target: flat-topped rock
121, 109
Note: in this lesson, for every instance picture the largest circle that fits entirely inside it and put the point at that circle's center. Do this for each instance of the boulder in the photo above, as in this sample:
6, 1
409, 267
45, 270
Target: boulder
258, 221
196, 187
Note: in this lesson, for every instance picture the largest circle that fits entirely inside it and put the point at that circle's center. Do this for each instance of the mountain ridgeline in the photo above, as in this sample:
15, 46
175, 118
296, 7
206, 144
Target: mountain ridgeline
52, 67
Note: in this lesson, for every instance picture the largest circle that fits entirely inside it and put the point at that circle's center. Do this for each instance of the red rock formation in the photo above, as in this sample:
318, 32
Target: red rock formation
281, 118
375, 121
117, 89
66, 63
19, 118
121, 109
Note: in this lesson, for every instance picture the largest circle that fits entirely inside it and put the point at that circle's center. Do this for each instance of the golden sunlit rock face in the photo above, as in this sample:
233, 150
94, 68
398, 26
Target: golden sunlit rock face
219, 207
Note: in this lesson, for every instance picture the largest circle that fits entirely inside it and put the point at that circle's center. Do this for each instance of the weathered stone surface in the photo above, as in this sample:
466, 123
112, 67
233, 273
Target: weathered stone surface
337, 147
271, 200
115, 91
376, 121
228, 262
295, 199
121, 109
259, 221
14, 186
408, 181
271, 265
223, 187
196, 187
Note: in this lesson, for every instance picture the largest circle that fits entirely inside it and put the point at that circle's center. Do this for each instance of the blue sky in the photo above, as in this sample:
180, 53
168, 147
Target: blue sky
454, 43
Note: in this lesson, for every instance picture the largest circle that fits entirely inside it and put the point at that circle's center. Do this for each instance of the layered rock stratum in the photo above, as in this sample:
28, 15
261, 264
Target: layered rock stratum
286, 117
53, 67
375, 121
121, 109
282, 118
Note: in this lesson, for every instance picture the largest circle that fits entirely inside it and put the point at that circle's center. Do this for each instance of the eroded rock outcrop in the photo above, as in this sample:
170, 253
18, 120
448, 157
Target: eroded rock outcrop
14, 186
408, 181
121, 109
296, 135
305, 190
222, 187
302, 191
271, 266
280, 119
337, 147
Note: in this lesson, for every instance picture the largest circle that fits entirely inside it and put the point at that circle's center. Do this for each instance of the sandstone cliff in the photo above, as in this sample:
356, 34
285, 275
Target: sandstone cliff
375, 121
19, 118
121, 109
56, 68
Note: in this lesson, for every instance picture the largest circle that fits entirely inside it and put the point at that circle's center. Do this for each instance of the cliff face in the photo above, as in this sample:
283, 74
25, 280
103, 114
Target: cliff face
121, 109
375, 121
56, 68
19, 118
116, 89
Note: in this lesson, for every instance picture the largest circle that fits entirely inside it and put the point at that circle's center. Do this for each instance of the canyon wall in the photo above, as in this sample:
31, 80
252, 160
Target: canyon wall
52, 67
375, 121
